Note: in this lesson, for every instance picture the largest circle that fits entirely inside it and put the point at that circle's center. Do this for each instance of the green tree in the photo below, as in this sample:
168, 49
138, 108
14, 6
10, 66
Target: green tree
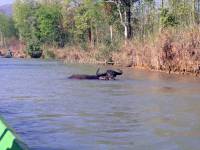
7, 29
167, 18
23, 12
111, 16
49, 24
87, 19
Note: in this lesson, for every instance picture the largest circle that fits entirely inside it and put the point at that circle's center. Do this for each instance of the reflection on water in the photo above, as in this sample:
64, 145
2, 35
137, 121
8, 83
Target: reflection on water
141, 111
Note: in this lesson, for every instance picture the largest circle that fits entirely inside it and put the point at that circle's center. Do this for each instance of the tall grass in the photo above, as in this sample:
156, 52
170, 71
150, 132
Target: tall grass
171, 50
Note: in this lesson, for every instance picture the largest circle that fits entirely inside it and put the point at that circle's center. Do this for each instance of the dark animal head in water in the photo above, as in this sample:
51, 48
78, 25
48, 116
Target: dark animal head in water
113, 74
108, 75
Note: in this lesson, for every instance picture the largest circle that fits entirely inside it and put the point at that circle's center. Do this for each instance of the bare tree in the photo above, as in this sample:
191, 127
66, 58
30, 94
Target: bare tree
124, 9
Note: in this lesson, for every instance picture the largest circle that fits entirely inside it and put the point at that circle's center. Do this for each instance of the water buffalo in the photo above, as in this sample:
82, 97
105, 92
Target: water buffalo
108, 75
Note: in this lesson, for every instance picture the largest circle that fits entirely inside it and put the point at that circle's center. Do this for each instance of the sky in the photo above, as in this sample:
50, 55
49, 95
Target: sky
2, 2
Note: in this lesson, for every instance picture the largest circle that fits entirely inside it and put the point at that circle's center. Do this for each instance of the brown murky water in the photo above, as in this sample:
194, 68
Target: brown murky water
141, 111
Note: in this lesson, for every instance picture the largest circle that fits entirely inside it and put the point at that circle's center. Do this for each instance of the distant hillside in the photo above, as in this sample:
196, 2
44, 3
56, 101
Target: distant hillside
6, 9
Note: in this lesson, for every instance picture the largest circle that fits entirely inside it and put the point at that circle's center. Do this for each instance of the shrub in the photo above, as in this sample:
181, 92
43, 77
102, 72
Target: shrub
33, 49
49, 54
167, 18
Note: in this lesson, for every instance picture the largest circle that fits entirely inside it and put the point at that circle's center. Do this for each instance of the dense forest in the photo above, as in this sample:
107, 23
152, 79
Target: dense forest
157, 34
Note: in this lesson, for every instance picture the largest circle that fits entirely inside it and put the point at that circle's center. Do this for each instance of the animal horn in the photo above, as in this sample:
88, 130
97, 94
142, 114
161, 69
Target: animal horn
119, 71
100, 74
97, 73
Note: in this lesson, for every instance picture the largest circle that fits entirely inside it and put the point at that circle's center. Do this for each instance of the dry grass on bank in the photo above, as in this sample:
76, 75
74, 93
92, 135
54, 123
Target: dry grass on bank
169, 51
74, 54
18, 48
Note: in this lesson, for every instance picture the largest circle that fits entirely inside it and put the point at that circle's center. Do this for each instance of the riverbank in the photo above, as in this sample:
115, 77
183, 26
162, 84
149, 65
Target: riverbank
170, 51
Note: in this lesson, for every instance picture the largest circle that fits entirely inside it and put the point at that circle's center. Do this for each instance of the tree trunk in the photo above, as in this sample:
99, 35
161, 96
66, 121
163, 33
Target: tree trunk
96, 42
128, 17
125, 27
111, 33
4, 43
125, 32
1, 40
123, 22
90, 35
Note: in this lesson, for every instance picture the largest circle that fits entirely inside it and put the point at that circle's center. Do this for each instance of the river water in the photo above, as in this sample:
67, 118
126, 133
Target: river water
141, 111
